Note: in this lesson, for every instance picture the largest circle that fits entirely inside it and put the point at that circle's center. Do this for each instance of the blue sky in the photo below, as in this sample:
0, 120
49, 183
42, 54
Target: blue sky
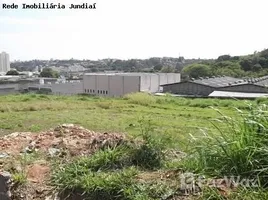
135, 29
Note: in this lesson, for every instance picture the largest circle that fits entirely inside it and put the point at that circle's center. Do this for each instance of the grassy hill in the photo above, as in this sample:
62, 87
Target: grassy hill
217, 138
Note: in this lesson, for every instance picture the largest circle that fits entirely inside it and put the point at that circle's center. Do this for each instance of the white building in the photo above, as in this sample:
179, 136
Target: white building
119, 84
4, 62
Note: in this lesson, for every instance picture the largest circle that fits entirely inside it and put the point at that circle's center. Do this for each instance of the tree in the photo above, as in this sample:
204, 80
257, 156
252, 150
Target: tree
246, 64
228, 68
257, 67
49, 73
236, 58
196, 70
158, 67
181, 59
94, 69
12, 73
264, 53
263, 62
224, 58
167, 69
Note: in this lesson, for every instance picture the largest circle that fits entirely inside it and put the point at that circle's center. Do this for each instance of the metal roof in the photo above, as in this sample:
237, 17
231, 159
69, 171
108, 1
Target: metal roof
226, 81
218, 81
237, 94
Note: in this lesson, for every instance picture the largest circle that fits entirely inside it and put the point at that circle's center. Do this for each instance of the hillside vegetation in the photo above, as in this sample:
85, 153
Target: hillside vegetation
254, 65
159, 142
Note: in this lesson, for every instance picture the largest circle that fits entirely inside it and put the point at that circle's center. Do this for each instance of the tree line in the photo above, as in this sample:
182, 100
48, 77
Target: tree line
253, 65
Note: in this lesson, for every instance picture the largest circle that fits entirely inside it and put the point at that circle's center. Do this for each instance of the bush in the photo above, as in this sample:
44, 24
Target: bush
149, 154
143, 99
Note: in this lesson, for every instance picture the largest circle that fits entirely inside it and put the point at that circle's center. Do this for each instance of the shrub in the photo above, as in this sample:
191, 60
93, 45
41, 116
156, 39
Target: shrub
143, 99
149, 154
105, 105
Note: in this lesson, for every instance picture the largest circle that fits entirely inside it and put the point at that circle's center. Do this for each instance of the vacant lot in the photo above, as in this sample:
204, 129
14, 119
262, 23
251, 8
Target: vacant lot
177, 116
174, 122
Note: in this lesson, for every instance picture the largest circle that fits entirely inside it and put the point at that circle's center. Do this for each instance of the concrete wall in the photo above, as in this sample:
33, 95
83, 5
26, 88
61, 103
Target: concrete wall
8, 88
151, 82
188, 88
145, 82
67, 88
173, 78
168, 78
4, 91
154, 83
110, 85
101, 85
10, 85
245, 88
120, 84
115, 86
131, 84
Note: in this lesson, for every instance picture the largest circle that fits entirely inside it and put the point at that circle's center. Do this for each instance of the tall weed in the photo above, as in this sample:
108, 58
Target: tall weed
239, 148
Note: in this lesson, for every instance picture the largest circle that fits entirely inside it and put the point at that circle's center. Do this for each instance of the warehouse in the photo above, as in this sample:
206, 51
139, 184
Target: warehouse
205, 86
119, 84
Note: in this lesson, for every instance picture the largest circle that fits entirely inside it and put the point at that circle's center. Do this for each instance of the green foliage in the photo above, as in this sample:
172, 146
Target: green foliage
144, 99
252, 65
149, 154
93, 185
240, 148
12, 73
197, 70
167, 69
158, 67
224, 58
49, 73
110, 173
108, 159
19, 178
239, 194
227, 68
246, 64
264, 54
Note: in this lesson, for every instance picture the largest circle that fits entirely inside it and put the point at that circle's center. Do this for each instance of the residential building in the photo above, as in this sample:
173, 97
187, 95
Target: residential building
4, 62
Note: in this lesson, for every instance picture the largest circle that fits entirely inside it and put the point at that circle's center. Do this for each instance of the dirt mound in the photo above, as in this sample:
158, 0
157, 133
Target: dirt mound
67, 138
64, 141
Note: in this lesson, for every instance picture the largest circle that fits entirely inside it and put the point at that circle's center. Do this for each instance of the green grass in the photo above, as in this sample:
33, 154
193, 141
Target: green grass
110, 173
240, 150
174, 116
216, 145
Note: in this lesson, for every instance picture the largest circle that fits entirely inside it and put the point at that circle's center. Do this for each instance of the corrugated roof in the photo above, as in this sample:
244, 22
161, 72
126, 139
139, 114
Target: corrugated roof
218, 81
237, 94
225, 81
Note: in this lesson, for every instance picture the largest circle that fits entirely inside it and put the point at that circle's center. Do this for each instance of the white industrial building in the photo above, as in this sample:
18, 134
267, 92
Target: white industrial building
119, 84
4, 62
100, 84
